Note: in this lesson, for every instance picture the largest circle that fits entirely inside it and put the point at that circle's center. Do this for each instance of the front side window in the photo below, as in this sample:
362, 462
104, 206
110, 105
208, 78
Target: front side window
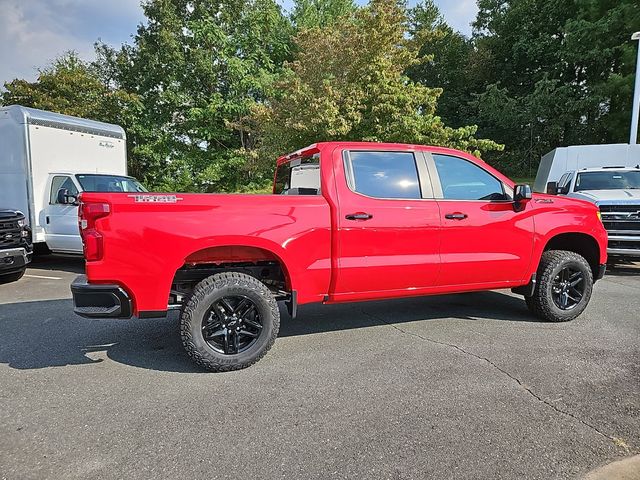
565, 182
58, 183
464, 180
298, 177
383, 174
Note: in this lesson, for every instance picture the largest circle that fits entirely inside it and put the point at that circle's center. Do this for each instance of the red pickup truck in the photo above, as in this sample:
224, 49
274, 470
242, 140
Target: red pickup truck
347, 221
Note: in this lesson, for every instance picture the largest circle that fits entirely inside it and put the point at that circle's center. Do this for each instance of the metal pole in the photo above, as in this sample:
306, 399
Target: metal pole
633, 138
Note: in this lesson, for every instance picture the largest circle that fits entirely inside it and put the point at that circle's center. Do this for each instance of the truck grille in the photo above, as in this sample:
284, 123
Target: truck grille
622, 223
10, 232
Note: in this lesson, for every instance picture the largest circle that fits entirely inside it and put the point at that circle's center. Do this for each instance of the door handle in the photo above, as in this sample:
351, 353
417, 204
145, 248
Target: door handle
358, 216
455, 216
47, 219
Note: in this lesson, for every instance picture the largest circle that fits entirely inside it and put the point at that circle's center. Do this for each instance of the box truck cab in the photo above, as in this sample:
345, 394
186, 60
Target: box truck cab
47, 159
61, 207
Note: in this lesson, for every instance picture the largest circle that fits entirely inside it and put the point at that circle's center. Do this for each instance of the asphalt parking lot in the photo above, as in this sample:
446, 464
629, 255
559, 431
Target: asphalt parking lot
465, 386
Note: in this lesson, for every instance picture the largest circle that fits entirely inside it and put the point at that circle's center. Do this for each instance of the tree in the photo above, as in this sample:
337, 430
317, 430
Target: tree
199, 67
320, 13
348, 82
555, 73
447, 63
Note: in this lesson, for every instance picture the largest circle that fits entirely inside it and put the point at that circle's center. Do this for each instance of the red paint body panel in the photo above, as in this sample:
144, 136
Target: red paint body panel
146, 243
396, 250
407, 248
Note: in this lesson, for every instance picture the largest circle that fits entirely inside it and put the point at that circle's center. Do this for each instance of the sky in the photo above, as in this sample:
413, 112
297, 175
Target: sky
34, 32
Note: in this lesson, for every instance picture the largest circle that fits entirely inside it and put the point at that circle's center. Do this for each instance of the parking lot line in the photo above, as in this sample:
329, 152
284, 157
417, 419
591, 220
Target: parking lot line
43, 276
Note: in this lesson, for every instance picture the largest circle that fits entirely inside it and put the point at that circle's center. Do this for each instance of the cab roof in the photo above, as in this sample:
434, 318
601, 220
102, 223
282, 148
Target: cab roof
316, 147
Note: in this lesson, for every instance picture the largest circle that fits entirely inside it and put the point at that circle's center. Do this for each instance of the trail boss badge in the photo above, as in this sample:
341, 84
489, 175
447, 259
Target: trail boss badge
155, 198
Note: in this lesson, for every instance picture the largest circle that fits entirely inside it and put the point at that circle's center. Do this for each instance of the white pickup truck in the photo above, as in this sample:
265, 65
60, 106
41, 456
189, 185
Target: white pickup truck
616, 191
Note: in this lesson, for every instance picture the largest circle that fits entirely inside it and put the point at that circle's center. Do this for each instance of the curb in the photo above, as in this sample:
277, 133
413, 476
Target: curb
625, 469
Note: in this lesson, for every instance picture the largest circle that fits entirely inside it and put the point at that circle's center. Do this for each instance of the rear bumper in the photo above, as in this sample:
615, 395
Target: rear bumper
13, 259
98, 300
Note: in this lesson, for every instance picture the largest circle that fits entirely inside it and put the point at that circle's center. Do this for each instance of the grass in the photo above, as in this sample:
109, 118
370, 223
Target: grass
527, 180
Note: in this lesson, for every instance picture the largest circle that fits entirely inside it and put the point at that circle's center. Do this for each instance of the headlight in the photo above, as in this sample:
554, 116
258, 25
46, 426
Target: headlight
21, 223
599, 215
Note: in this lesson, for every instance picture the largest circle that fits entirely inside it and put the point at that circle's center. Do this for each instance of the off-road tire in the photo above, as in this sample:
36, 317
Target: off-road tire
541, 302
11, 277
212, 289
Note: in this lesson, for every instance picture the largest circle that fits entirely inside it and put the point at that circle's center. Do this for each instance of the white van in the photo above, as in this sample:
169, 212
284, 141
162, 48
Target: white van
47, 159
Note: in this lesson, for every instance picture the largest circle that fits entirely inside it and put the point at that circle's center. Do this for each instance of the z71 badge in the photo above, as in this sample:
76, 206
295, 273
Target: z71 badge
155, 198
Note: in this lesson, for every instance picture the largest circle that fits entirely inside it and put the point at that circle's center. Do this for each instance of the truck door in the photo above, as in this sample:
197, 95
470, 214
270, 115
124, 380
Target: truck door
387, 236
61, 220
484, 241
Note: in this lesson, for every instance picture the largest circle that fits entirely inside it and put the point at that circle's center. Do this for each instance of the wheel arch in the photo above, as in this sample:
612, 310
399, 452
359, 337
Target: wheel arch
581, 243
233, 254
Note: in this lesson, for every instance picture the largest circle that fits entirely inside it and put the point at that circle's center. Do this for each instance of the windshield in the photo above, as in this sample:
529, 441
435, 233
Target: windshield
610, 180
109, 183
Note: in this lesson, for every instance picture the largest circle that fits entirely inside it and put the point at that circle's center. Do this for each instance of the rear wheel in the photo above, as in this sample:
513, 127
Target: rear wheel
230, 322
563, 287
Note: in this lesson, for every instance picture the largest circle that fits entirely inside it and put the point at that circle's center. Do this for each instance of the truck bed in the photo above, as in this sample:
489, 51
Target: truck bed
148, 237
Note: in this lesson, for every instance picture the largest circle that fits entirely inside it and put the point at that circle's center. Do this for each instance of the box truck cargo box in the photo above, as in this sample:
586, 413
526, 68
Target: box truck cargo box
47, 159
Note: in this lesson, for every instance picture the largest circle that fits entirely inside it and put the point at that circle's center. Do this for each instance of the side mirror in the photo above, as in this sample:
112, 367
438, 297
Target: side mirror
65, 198
521, 195
552, 188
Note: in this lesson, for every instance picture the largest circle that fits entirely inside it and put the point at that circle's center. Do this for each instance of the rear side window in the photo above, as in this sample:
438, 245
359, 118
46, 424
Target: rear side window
464, 180
383, 174
298, 177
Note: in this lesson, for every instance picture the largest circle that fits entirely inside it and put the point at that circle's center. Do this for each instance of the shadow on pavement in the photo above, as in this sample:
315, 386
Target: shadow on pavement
490, 305
623, 269
64, 263
47, 333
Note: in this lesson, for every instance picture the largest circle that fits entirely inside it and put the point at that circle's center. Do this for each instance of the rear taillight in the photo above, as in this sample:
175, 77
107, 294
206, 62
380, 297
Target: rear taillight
92, 240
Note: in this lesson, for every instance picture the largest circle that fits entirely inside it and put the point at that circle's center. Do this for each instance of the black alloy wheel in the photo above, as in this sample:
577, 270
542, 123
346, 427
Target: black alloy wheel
232, 325
230, 321
564, 283
567, 288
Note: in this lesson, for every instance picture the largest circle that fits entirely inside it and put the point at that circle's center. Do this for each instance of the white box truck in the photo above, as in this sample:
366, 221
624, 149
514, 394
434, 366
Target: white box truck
561, 160
47, 159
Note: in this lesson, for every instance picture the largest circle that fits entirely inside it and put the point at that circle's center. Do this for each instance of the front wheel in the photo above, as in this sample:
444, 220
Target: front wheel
230, 322
563, 287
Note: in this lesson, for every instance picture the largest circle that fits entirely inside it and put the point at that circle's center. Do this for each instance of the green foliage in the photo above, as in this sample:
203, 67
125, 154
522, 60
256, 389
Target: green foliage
348, 82
69, 86
211, 91
446, 55
320, 13
200, 67
550, 73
